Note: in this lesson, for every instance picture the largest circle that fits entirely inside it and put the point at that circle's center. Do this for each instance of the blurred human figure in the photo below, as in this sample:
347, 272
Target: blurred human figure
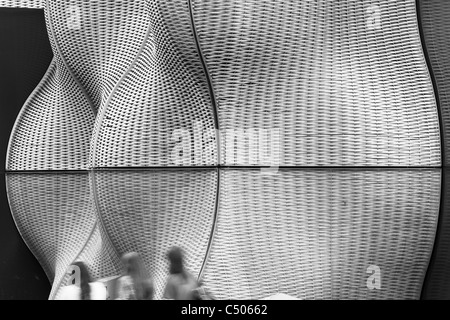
86, 289
134, 284
181, 284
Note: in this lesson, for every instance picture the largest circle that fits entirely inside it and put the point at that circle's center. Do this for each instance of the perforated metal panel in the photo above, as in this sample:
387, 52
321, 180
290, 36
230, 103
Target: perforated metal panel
100, 258
342, 91
165, 90
313, 234
30, 4
162, 75
99, 40
54, 127
54, 213
150, 211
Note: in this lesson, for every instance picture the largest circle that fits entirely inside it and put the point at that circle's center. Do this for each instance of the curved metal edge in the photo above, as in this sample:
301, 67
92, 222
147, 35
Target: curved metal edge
432, 253
51, 68
97, 116
215, 111
58, 53
95, 133
431, 77
426, 56
212, 94
41, 262
24, 239
97, 212
102, 111
98, 222
56, 288
213, 227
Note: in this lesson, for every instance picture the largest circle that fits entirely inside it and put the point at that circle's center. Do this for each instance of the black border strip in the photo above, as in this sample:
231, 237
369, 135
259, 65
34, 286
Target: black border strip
433, 256
432, 259
433, 81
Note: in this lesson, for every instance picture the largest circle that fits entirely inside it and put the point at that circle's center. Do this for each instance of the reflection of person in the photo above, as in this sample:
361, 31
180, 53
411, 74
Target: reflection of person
85, 290
180, 283
134, 284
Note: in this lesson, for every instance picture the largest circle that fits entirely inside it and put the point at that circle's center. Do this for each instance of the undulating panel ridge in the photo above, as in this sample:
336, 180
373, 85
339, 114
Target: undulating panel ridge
100, 258
435, 24
139, 86
98, 40
316, 234
345, 83
53, 129
160, 114
148, 211
54, 213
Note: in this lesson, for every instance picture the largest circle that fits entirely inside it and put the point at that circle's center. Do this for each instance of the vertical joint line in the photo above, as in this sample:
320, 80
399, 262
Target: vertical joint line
217, 127
208, 80
213, 227
433, 80
443, 158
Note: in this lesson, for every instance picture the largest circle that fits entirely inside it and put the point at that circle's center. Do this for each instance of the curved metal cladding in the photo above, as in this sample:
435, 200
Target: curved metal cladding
53, 129
162, 99
311, 83
55, 215
28, 4
315, 234
159, 106
98, 40
436, 35
100, 257
148, 211
345, 82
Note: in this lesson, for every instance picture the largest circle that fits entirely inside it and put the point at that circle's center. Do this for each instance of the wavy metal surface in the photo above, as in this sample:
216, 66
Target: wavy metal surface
98, 40
165, 90
53, 129
55, 214
312, 234
148, 211
341, 91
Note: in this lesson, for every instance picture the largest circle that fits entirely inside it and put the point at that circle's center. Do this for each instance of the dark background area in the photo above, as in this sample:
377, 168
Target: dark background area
436, 284
25, 55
